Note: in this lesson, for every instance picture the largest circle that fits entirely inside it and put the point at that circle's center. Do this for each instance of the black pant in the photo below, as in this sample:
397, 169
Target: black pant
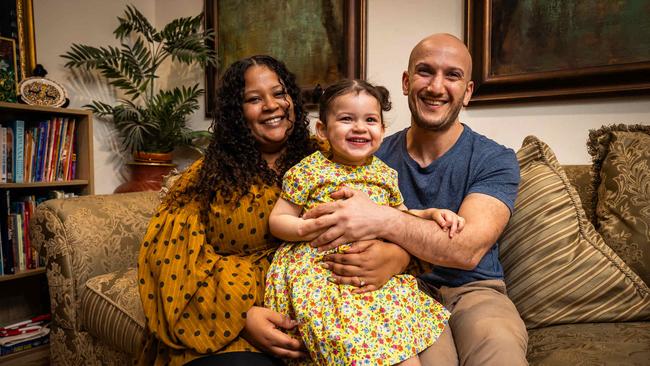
236, 359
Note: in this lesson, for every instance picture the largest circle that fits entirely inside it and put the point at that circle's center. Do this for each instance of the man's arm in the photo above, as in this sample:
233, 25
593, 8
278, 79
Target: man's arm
355, 217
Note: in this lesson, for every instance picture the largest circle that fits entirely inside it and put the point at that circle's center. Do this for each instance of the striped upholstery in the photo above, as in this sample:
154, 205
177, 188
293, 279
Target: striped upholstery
558, 269
111, 310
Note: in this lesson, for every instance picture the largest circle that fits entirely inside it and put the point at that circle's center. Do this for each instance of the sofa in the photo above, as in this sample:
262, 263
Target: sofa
579, 286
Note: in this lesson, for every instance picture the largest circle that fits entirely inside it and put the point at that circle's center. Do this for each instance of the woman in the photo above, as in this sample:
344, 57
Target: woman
204, 257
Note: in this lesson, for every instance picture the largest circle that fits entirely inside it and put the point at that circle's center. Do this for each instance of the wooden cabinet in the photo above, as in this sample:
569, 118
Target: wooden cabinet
25, 294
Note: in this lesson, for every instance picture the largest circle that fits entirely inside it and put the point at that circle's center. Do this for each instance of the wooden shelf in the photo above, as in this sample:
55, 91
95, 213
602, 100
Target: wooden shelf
76, 182
25, 294
23, 274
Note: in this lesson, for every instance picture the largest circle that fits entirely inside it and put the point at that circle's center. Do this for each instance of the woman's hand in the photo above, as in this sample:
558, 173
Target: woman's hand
367, 265
264, 329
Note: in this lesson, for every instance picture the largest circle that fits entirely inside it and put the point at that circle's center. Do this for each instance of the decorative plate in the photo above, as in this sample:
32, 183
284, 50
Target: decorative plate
41, 91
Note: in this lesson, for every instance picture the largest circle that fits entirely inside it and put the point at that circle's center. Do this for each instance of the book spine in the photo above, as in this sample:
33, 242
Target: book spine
71, 139
55, 150
42, 149
23, 346
10, 155
3, 154
19, 238
19, 150
62, 152
48, 149
11, 228
29, 213
7, 244
27, 161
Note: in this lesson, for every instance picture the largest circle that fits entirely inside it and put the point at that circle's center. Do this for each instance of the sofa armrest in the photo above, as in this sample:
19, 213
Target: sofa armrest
86, 236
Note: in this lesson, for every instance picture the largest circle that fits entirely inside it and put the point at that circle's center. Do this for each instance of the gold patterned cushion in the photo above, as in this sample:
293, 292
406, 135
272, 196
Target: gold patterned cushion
111, 310
621, 184
557, 268
619, 344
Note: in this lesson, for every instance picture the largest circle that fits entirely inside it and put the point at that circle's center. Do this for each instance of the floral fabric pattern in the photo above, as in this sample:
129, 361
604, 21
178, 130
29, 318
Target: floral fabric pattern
622, 211
338, 327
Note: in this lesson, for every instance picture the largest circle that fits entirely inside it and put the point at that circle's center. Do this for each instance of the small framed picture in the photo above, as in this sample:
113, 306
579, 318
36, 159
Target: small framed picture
8, 70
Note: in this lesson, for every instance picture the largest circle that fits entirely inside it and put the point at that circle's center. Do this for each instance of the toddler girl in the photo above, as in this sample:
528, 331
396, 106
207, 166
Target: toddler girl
338, 325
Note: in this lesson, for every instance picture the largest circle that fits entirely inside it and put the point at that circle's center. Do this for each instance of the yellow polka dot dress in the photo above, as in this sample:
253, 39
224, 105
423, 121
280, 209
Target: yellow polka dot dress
198, 279
382, 327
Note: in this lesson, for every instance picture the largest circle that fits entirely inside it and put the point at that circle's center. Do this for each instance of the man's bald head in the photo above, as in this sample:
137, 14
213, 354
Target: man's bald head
441, 41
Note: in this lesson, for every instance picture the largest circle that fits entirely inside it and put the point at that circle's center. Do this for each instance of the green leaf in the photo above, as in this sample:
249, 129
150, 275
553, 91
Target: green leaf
148, 119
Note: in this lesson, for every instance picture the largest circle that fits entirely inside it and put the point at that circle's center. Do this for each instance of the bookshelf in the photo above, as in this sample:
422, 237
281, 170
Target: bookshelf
25, 293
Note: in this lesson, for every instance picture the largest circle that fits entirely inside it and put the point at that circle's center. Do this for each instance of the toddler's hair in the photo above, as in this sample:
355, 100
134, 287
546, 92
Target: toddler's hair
357, 86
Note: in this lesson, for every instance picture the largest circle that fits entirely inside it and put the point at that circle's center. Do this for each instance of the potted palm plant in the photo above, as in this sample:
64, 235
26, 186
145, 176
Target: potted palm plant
149, 120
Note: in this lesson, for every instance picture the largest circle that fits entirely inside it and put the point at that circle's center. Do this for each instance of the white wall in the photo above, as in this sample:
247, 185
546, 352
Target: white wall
393, 29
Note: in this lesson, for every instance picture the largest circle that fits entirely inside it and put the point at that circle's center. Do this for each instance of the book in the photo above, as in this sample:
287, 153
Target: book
28, 212
61, 155
3, 154
42, 149
48, 150
27, 161
28, 341
19, 242
69, 150
7, 242
10, 155
18, 127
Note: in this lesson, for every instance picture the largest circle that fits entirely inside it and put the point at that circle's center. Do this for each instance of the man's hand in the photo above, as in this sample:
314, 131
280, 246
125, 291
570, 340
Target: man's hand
367, 264
264, 330
351, 218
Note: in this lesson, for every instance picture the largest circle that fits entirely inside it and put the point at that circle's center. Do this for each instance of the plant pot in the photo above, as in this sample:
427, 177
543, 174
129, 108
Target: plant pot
152, 157
146, 172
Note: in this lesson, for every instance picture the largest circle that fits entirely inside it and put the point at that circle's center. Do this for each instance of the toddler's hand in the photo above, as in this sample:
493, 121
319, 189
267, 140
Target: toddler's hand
447, 219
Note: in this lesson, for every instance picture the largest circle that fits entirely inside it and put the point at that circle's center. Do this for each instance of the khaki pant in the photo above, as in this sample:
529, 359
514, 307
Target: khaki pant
484, 328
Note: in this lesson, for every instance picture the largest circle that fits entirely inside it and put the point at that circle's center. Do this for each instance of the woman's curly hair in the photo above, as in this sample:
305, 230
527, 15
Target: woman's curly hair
233, 162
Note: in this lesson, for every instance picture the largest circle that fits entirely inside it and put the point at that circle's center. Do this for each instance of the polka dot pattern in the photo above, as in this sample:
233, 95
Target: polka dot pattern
191, 290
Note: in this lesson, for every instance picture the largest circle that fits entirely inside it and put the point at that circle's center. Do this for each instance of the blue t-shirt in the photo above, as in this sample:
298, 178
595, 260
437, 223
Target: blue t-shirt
475, 164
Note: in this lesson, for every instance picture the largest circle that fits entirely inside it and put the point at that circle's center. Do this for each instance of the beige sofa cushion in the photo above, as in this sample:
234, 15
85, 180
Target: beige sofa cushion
557, 267
620, 344
621, 184
111, 310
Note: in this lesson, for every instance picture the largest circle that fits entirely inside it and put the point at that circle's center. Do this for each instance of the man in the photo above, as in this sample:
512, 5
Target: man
442, 163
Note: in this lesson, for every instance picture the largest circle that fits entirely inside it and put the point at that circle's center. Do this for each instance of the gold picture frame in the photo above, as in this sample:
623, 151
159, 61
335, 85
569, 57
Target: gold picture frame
532, 50
18, 19
330, 28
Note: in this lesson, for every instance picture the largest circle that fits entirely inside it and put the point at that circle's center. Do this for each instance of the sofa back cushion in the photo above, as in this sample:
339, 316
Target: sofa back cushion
621, 192
557, 267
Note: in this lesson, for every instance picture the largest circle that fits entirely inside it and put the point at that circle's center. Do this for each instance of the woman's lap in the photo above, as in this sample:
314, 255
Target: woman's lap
236, 359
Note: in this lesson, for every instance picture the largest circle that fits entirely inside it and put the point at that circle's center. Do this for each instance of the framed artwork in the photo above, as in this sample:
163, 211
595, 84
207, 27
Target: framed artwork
553, 49
8, 70
319, 41
17, 23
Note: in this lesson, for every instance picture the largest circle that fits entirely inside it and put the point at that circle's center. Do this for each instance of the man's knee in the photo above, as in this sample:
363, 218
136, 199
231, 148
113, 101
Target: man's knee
492, 341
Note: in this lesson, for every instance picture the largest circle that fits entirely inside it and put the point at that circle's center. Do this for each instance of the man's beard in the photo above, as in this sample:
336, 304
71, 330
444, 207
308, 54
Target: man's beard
444, 123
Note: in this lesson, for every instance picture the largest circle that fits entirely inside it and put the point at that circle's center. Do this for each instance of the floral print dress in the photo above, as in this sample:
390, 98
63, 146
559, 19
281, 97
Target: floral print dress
382, 327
